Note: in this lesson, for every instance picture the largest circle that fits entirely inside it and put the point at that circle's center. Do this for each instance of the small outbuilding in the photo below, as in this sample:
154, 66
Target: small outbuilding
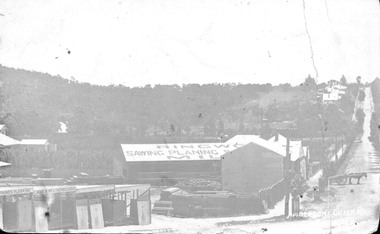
36, 145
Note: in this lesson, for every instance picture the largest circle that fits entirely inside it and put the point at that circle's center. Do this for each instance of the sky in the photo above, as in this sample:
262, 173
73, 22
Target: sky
139, 42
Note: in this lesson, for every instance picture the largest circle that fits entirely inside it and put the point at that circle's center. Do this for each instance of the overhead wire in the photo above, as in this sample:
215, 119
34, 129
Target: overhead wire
320, 106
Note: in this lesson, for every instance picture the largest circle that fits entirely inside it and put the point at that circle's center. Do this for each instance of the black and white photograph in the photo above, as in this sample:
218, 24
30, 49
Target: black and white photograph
190, 116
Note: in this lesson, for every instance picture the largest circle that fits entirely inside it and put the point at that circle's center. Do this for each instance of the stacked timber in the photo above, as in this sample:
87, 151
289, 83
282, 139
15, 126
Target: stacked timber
95, 180
215, 204
167, 193
162, 207
196, 184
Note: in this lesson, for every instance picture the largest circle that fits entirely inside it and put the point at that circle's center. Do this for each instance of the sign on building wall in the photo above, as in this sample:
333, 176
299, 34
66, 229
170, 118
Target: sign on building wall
176, 152
14, 191
53, 190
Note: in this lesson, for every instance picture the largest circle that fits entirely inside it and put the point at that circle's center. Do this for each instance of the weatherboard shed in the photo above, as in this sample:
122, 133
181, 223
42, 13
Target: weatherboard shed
251, 168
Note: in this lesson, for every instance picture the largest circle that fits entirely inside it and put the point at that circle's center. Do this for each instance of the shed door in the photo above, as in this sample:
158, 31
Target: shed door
41, 222
143, 210
97, 220
25, 214
82, 214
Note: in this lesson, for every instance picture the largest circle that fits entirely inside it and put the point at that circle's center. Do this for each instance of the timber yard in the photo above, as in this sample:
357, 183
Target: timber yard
238, 184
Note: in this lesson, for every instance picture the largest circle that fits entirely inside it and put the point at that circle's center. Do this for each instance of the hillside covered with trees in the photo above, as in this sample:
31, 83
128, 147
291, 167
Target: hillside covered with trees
34, 103
100, 118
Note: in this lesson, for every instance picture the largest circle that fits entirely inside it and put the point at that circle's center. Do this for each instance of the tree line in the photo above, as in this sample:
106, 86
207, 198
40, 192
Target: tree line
33, 104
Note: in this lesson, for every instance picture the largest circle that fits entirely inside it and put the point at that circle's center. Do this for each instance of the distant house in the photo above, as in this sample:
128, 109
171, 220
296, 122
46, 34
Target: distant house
334, 84
39, 142
3, 129
331, 97
333, 92
36, 145
282, 125
63, 127
336, 87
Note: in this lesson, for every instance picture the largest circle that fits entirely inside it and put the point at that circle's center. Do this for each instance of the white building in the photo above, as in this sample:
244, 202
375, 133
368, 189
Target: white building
63, 127
35, 145
331, 97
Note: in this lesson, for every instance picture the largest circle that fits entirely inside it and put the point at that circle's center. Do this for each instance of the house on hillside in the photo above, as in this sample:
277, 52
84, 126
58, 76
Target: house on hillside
35, 145
338, 90
335, 85
282, 125
332, 92
62, 127
331, 97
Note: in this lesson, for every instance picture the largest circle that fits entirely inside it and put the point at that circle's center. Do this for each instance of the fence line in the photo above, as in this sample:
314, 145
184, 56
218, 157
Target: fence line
273, 194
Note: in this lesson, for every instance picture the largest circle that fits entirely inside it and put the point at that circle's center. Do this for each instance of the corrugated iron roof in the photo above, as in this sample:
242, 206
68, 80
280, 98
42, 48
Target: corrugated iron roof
296, 150
4, 164
33, 142
246, 139
7, 141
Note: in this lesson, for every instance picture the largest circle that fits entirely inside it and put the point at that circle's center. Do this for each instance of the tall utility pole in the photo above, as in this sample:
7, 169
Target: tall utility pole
287, 177
336, 149
323, 160
261, 120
